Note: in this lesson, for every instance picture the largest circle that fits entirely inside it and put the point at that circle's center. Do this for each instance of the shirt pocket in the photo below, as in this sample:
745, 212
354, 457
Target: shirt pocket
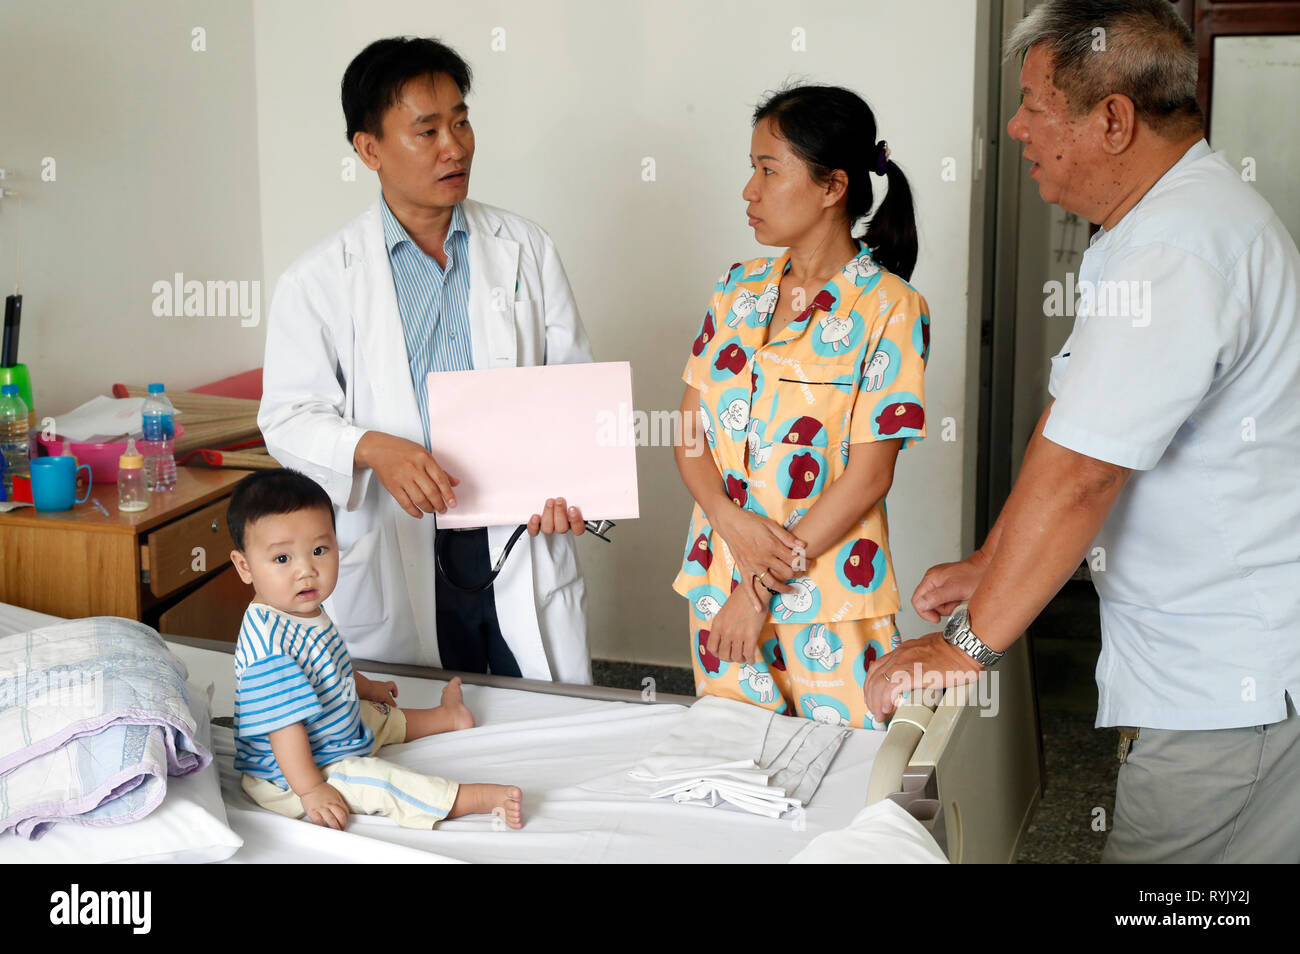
806, 423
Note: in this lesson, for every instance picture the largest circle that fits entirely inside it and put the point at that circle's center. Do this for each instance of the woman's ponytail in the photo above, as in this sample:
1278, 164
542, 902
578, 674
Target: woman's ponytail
891, 233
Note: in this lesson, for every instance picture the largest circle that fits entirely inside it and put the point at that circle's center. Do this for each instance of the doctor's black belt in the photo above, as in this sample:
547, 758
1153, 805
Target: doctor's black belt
598, 527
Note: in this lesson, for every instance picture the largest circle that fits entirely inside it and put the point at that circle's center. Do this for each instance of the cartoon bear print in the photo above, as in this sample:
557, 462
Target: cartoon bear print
804, 471
731, 358
705, 335
711, 663
803, 432
859, 566
737, 490
823, 300
700, 552
900, 415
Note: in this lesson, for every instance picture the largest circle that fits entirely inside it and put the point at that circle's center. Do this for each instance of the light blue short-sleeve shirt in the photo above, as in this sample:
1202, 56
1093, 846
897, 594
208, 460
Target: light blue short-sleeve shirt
1184, 365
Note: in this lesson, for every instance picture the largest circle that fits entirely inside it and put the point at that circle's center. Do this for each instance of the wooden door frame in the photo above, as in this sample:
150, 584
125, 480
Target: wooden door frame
1215, 18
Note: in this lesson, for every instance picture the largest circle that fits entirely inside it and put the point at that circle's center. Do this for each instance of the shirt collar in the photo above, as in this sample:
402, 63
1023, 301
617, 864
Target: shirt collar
837, 296
395, 234
1197, 151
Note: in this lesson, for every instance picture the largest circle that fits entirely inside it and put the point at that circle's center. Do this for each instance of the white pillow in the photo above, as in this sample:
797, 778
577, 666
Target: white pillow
880, 834
189, 826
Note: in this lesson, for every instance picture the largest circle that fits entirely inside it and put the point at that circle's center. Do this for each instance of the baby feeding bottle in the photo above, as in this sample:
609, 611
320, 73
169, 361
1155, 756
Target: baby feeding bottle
131, 492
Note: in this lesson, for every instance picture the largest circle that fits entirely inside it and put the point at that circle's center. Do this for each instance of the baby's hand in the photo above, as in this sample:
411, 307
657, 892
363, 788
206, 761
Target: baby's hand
368, 690
325, 805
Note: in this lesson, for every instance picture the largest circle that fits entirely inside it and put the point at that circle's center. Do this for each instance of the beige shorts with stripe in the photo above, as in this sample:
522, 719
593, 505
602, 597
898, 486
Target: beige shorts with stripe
369, 785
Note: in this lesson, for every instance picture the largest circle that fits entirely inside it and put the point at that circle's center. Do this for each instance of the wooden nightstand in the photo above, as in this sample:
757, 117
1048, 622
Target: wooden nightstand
168, 566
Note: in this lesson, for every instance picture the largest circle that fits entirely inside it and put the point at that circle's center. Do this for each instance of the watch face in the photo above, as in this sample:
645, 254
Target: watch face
959, 634
956, 623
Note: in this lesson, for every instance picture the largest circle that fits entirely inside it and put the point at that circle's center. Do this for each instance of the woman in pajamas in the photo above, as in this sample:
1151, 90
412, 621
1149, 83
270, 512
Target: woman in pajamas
805, 381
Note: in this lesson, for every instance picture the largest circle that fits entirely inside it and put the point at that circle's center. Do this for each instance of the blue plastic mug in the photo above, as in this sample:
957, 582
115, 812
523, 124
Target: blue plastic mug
54, 483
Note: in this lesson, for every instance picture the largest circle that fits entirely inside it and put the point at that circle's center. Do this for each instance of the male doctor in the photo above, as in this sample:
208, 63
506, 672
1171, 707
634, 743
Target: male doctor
424, 280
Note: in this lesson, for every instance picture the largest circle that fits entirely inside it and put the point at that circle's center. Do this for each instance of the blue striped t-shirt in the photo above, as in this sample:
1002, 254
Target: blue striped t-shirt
287, 670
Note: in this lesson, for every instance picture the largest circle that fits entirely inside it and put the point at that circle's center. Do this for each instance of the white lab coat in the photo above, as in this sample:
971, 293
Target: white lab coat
336, 366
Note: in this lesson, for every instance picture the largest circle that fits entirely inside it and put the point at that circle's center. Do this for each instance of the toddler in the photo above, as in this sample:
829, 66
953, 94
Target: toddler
306, 725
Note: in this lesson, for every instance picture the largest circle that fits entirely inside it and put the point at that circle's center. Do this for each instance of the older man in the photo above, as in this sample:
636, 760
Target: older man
1173, 443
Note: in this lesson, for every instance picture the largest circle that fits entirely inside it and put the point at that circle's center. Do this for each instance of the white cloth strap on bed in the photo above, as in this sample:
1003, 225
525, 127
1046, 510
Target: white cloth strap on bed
743, 755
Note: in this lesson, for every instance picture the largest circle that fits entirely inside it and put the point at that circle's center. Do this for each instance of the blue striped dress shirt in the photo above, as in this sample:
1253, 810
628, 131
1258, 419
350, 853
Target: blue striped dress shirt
433, 303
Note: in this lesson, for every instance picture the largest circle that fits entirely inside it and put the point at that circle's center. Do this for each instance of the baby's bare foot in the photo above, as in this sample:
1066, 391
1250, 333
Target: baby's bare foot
503, 801
453, 702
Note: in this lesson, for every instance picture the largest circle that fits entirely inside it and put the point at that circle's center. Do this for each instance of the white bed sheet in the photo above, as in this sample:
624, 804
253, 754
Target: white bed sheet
569, 755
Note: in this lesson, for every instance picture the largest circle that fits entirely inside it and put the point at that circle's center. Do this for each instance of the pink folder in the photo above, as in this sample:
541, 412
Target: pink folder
515, 436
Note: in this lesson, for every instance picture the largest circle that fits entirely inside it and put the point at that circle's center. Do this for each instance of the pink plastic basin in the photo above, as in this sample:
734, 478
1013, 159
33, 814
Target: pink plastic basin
102, 457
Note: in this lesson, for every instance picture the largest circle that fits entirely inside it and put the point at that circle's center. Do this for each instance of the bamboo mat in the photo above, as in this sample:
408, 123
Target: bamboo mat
249, 460
210, 421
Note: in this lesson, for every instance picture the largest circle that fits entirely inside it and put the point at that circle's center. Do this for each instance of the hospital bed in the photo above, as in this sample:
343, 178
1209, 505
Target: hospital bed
971, 779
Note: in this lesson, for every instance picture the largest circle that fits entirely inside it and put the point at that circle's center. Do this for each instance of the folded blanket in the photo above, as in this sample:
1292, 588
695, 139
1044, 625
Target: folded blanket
94, 715
743, 755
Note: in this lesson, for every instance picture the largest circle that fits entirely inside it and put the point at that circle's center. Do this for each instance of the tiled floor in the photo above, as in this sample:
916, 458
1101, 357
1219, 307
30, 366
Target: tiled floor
626, 675
1079, 760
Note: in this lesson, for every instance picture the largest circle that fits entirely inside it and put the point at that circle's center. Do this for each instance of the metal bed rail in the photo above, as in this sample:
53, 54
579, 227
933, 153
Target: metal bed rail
600, 693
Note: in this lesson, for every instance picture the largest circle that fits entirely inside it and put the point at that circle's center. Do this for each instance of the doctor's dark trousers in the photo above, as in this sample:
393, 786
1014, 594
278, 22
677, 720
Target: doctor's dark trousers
469, 635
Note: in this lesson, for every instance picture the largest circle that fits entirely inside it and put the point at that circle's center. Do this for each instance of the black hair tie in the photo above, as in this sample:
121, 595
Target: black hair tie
882, 158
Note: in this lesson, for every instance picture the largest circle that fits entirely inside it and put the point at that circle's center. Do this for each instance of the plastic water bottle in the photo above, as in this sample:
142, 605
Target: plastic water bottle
13, 437
159, 441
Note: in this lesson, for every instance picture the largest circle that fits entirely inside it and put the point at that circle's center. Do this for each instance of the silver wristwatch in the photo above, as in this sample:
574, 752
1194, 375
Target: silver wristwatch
959, 634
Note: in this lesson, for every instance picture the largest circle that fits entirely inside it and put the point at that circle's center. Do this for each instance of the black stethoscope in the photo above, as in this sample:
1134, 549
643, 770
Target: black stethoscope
598, 527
